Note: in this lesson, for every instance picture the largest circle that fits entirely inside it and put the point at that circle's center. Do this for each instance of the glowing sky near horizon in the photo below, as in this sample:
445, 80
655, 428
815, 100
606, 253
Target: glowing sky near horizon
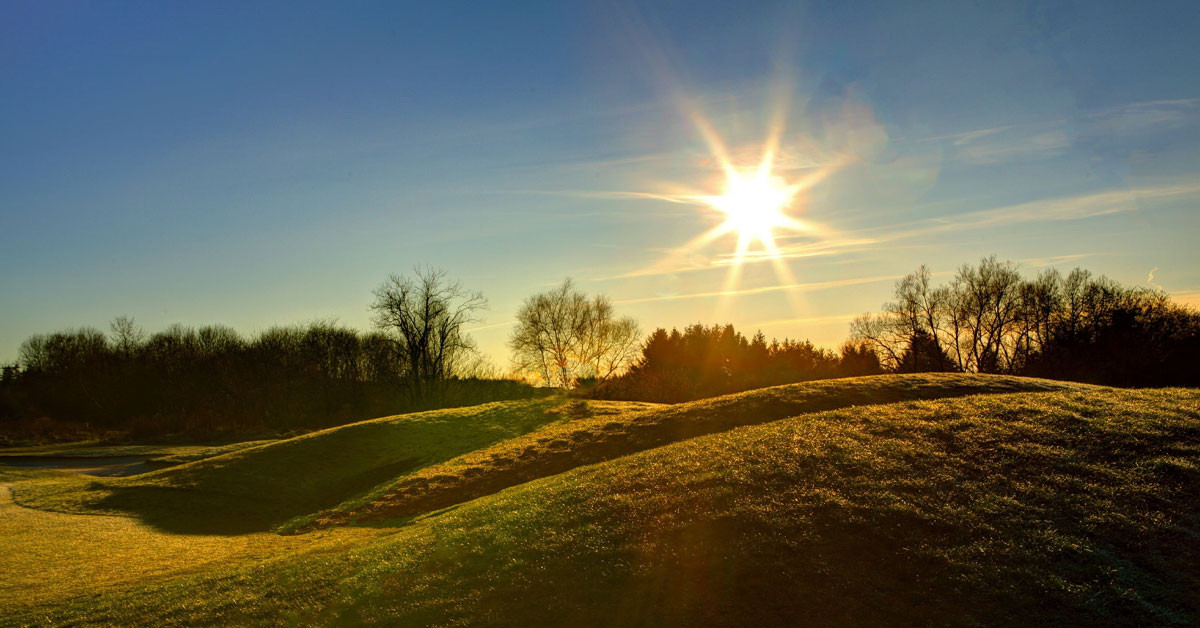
256, 164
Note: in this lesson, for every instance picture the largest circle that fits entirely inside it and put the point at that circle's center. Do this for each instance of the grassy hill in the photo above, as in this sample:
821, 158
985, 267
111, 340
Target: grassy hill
255, 488
830, 503
562, 446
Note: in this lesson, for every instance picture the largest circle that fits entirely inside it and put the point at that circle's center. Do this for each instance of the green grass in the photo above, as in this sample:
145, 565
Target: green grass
1070, 506
51, 557
561, 447
256, 488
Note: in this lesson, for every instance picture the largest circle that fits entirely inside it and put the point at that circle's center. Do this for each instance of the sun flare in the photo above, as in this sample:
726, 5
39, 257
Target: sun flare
755, 205
759, 205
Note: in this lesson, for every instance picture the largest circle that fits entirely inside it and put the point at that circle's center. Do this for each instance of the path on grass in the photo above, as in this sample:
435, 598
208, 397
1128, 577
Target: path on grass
50, 556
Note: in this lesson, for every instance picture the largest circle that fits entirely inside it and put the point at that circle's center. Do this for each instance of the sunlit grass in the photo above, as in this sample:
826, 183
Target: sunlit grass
256, 488
559, 447
53, 556
1054, 504
1072, 507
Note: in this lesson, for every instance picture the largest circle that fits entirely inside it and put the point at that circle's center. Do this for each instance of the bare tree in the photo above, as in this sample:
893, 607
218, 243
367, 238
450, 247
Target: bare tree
562, 335
424, 316
127, 336
918, 307
544, 341
987, 320
987, 306
917, 311
608, 344
1039, 302
881, 333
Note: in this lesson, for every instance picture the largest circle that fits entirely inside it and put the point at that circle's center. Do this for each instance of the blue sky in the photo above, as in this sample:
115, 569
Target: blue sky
256, 164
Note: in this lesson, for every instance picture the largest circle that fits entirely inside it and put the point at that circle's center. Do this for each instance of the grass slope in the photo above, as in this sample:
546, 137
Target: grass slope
1073, 507
51, 556
558, 448
255, 488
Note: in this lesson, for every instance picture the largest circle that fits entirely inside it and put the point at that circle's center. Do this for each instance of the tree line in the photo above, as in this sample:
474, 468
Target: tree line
987, 318
211, 379
207, 378
706, 361
567, 339
990, 319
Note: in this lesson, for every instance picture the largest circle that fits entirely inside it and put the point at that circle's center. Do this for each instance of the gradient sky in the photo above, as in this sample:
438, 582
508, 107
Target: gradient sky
254, 163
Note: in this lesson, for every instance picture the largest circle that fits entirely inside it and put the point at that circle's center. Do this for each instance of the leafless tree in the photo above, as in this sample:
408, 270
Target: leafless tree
881, 333
1040, 302
917, 309
424, 316
981, 319
548, 327
986, 306
562, 335
608, 344
127, 336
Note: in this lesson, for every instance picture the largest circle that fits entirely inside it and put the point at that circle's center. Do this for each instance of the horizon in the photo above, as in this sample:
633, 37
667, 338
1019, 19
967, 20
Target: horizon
260, 166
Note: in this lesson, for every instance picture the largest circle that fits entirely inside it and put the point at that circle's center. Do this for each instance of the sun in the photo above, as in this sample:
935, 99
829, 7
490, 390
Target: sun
754, 205
759, 205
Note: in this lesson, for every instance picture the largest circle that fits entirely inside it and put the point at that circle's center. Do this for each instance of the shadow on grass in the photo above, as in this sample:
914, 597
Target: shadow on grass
204, 510
565, 447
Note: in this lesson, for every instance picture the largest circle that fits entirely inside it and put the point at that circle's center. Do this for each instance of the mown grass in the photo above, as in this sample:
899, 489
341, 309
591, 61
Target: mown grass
560, 447
1075, 507
253, 489
52, 556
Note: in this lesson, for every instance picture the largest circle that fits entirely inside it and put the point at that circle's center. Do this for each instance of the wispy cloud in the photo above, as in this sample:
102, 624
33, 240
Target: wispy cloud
1011, 142
1150, 278
798, 287
676, 262
1139, 117
1053, 260
590, 165
1007, 142
966, 137
1051, 138
1058, 209
493, 326
614, 194
808, 320
999, 146
1052, 209
823, 248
